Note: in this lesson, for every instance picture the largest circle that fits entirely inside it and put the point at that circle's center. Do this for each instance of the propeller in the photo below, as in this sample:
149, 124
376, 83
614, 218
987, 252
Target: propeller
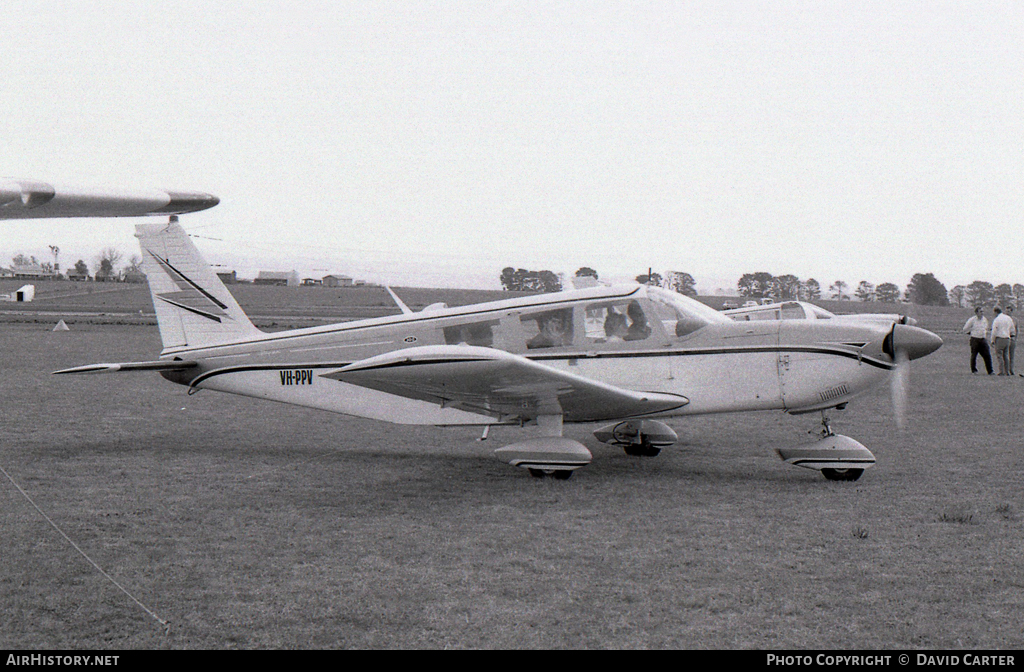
903, 344
899, 384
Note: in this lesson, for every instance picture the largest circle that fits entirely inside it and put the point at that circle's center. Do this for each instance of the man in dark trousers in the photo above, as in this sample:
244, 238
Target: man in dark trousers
977, 327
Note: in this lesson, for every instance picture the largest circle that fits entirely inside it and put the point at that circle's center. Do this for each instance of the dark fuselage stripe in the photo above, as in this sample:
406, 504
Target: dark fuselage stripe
553, 357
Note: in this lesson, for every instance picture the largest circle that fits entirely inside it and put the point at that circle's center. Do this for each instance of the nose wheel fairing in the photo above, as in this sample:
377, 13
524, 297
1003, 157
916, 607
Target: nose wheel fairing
832, 455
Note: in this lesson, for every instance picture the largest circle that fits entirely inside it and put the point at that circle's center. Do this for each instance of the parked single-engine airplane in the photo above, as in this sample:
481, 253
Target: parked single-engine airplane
802, 310
628, 355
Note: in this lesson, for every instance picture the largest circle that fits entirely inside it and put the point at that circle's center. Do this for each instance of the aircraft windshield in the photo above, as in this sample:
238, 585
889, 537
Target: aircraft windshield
680, 314
819, 313
791, 310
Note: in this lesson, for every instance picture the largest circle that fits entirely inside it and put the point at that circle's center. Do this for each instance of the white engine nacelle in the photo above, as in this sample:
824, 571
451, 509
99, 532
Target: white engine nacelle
636, 432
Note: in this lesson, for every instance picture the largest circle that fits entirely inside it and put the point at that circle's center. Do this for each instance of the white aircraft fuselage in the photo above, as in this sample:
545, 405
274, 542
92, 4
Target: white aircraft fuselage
722, 366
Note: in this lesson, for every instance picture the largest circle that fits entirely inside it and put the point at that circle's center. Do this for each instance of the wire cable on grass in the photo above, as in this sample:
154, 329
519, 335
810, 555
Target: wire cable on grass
159, 620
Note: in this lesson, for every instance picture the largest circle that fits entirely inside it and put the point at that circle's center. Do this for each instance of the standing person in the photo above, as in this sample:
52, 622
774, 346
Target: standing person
1013, 335
977, 327
1002, 325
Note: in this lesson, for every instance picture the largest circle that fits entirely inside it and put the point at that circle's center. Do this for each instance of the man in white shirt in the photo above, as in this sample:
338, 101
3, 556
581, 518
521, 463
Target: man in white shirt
977, 327
1002, 326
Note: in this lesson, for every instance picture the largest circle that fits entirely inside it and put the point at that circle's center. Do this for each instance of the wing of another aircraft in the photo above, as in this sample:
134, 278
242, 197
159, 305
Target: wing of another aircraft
497, 383
31, 199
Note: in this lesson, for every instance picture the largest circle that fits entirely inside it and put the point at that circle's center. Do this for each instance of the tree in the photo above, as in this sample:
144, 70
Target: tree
787, 287
507, 278
81, 269
925, 290
107, 263
810, 290
1018, 294
757, 285
838, 289
586, 271
887, 292
680, 282
652, 279
1004, 294
745, 284
958, 295
865, 291
549, 282
980, 293
22, 260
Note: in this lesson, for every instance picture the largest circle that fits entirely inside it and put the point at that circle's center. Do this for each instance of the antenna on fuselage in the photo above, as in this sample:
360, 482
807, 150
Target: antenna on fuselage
401, 304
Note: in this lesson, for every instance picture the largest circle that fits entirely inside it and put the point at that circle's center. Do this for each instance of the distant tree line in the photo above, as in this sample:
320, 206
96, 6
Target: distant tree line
923, 289
986, 295
523, 280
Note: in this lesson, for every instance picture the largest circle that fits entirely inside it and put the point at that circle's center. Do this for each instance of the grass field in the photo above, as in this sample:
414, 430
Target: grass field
249, 524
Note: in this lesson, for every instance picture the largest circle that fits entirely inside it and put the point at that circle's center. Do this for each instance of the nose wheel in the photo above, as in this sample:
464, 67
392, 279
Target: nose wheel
558, 474
842, 474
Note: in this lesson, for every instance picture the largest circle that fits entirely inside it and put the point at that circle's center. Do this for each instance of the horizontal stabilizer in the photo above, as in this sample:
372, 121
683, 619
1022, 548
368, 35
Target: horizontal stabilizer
30, 199
164, 365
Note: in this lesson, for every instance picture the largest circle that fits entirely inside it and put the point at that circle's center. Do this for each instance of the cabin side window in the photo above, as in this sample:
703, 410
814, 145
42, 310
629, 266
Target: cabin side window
792, 311
474, 333
549, 329
761, 315
616, 321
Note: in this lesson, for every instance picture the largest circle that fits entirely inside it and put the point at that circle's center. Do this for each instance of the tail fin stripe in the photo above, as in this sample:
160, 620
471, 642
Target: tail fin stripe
189, 308
166, 264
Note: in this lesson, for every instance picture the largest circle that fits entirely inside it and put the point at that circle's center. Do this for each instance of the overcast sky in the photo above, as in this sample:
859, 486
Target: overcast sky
435, 143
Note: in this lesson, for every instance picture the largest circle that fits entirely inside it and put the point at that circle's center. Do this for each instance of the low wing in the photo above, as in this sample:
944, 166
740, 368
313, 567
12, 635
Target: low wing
500, 384
162, 365
31, 199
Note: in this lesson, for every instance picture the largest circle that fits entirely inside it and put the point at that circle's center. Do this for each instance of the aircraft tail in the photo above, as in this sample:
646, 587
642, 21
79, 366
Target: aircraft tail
193, 307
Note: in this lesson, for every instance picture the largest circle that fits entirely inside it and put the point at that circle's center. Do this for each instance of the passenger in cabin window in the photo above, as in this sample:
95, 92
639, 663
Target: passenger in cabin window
615, 326
555, 330
638, 328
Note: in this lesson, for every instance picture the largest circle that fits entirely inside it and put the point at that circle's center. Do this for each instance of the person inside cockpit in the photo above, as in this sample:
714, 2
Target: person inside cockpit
638, 328
553, 331
615, 326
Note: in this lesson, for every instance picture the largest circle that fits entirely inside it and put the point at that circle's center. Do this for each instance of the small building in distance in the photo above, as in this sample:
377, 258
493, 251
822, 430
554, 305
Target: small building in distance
228, 277
6, 273
311, 282
131, 275
279, 278
31, 272
337, 281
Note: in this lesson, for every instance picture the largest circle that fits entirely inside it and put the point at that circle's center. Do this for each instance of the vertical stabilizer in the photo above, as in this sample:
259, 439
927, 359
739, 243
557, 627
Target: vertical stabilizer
193, 307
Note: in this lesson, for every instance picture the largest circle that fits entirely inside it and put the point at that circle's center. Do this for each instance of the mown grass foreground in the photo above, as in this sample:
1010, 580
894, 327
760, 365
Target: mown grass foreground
253, 524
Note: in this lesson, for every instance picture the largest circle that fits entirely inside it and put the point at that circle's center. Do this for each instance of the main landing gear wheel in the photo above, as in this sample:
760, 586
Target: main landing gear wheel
842, 474
559, 474
644, 449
